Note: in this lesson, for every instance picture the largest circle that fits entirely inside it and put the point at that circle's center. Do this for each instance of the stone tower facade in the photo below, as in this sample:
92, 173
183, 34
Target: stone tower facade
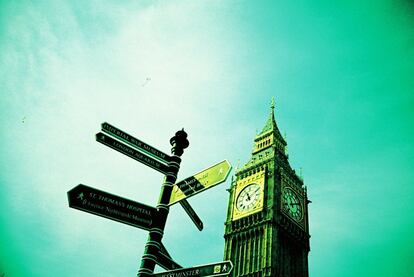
266, 230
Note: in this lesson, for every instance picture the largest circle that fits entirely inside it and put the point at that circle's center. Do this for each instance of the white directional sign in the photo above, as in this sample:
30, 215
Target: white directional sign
216, 269
132, 153
201, 181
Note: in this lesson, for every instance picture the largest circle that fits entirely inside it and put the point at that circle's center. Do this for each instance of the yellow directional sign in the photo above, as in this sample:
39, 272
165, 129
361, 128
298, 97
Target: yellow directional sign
201, 181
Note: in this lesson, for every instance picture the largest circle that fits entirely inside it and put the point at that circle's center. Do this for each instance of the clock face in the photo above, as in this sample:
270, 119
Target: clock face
292, 204
248, 198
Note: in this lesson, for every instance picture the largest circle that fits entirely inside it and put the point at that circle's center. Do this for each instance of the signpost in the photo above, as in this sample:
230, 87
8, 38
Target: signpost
145, 217
201, 181
179, 142
107, 205
132, 153
216, 269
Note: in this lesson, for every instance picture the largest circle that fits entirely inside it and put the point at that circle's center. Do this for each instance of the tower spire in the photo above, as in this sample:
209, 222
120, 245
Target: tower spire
271, 124
270, 134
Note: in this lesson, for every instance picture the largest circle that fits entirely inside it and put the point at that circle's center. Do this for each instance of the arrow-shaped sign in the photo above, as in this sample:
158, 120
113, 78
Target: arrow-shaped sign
192, 214
107, 205
132, 153
201, 181
165, 261
216, 269
134, 142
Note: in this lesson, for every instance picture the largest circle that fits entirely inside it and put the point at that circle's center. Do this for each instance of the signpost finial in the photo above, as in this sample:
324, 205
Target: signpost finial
179, 142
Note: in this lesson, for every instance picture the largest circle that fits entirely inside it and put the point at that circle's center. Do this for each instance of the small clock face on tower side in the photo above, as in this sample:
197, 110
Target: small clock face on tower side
248, 198
292, 204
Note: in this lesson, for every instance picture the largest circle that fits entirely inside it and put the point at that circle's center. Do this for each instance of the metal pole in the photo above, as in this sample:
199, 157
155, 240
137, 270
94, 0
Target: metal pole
179, 142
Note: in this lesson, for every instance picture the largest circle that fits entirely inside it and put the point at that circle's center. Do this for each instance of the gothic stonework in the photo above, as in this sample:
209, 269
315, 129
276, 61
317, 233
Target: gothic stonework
267, 230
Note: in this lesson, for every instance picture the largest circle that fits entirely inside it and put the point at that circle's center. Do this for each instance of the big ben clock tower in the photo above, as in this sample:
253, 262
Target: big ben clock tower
266, 231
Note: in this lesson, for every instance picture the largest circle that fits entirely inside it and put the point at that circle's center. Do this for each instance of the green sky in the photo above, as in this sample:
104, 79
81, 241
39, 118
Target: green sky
342, 76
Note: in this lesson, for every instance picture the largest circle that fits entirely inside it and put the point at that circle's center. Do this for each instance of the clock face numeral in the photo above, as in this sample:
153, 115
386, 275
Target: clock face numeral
248, 198
292, 204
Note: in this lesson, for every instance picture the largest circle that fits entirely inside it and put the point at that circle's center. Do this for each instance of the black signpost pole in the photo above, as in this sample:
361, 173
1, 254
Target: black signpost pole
179, 142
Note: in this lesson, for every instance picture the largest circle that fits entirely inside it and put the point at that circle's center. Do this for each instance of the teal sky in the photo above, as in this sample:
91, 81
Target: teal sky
342, 76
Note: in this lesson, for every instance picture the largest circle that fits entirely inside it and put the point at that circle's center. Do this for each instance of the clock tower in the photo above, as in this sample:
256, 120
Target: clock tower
266, 230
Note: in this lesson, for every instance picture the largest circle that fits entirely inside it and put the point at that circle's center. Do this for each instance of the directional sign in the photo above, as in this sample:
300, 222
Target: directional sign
134, 142
192, 214
216, 269
201, 181
164, 251
107, 205
165, 261
130, 152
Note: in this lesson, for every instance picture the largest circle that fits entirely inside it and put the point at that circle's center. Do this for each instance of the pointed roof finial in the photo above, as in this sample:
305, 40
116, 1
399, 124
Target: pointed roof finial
271, 122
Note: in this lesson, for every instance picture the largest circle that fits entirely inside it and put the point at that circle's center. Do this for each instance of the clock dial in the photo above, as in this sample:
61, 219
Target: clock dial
292, 204
248, 198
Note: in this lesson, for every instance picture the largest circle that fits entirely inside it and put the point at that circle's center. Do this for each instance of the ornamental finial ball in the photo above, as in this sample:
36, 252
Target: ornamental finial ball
179, 142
